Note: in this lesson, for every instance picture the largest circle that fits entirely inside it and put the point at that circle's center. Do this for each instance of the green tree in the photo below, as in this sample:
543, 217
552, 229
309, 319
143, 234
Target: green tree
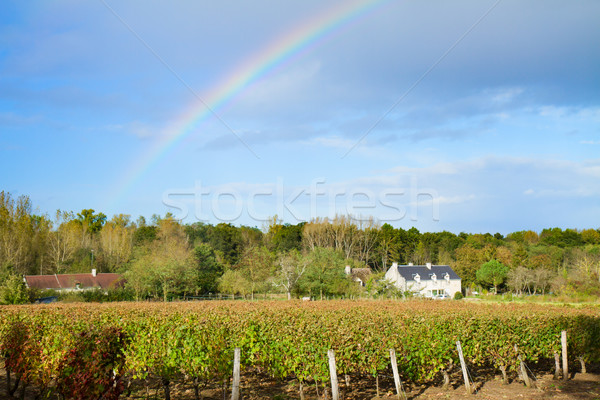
520, 257
13, 291
144, 234
377, 286
234, 282
284, 237
91, 222
492, 272
227, 240
324, 274
208, 269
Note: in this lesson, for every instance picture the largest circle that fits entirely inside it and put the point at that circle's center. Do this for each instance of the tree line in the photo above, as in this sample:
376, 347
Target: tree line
163, 257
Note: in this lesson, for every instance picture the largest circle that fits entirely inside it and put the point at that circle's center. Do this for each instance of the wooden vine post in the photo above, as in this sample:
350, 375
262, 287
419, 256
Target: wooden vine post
524, 373
235, 387
557, 369
395, 371
565, 362
333, 373
463, 366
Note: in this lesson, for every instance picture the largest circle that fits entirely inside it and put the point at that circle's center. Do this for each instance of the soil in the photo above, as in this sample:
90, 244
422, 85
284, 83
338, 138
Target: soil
258, 386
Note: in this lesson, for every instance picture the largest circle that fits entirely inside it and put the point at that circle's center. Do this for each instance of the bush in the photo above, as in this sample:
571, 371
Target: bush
14, 291
97, 296
458, 296
92, 368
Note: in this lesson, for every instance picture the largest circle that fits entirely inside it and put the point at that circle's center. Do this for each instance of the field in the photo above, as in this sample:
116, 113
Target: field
185, 350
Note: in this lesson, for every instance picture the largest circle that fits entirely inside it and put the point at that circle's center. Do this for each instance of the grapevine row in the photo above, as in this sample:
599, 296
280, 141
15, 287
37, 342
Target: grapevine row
74, 349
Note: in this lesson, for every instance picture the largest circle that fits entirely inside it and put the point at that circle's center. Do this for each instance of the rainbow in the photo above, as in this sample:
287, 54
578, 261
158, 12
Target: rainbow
303, 36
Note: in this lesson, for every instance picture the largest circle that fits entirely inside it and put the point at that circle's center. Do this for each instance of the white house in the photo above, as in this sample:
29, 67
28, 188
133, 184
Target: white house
425, 280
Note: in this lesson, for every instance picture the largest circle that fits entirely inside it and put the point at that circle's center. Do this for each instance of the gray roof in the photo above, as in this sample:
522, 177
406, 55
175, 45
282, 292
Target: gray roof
409, 271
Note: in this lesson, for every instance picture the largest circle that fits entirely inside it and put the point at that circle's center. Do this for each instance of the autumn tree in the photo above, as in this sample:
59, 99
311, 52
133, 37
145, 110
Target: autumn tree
256, 266
291, 267
116, 241
164, 265
520, 279
63, 241
368, 234
16, 231
590, 236
468, 261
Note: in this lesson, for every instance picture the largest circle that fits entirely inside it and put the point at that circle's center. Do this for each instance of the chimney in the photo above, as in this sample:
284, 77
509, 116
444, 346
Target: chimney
395, 265
410, 264
348, 270
94, 272
428, 265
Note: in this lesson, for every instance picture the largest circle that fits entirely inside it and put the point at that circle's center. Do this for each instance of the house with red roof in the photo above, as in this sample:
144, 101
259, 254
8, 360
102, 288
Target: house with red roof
70, 282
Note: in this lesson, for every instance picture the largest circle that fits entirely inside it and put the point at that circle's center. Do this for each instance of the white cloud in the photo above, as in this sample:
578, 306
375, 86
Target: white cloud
139, 129
507, 95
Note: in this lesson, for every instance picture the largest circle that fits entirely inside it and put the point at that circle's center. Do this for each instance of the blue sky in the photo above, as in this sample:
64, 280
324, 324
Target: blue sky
502, 134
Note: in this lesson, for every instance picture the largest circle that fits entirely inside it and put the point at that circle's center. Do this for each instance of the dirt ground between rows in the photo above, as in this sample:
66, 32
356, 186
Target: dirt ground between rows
256, 386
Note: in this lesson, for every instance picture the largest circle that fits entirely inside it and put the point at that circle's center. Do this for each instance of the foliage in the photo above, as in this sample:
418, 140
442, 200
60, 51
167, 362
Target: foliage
92, 367
208, 269
493, 273
227, 240
324, 274
13, 291
256, 266
234, 282
77, 349
165, 258
377, 286
290, 268
91, 222
163, 266
98, 295
285, 237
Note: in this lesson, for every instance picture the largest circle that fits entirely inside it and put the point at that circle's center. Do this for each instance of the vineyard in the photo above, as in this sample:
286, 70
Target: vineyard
98, 351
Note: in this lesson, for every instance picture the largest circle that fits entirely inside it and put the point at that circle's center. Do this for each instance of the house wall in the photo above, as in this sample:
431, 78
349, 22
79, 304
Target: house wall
392, 275
423, 287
